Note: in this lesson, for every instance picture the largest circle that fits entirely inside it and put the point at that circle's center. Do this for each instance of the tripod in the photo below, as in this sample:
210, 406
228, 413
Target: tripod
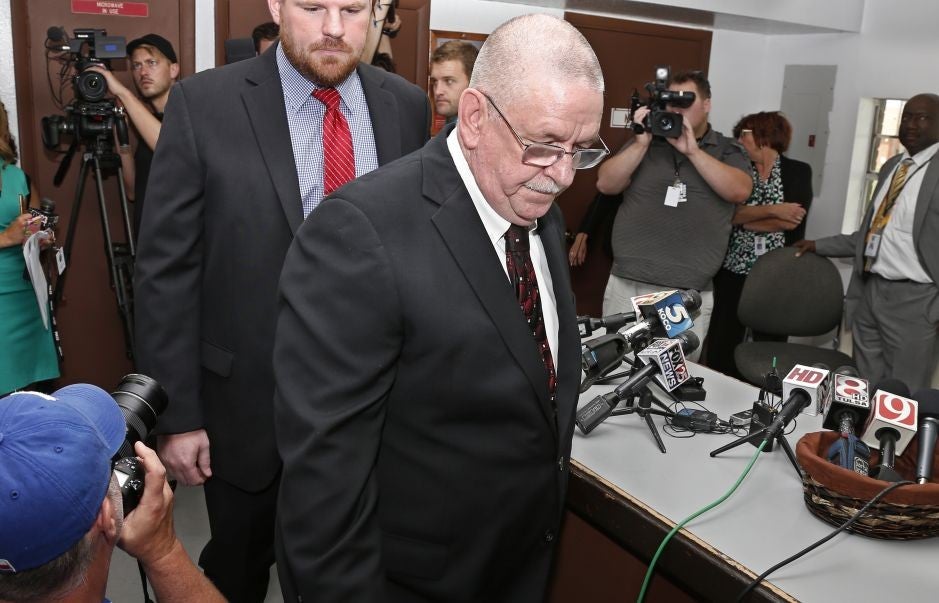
756, 437
97, 156
643, 407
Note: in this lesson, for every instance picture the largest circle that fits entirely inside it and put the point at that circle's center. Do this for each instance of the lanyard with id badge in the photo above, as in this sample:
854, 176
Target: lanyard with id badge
678, 191
882, 217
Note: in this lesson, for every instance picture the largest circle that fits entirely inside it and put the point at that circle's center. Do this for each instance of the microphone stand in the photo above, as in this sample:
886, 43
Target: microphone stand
643, 408
756, 437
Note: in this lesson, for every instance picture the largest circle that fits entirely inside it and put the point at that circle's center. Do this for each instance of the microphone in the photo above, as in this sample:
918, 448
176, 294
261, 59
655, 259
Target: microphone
814, 382
928, 432
891, 426
665, 362
600, 355
850, 406
56, 39
613, 322
805, 387
668, 312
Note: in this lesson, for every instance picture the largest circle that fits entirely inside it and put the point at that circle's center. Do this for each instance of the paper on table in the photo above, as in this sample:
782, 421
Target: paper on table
31, 249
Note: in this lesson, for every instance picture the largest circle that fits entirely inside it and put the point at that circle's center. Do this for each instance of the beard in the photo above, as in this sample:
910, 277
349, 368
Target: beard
326, 71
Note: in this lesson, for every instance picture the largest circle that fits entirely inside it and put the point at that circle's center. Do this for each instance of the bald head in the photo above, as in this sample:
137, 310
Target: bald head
919, 124
531, 52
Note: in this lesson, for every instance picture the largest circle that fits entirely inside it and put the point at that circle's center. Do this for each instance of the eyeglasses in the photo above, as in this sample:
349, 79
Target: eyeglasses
541, 154
151, 63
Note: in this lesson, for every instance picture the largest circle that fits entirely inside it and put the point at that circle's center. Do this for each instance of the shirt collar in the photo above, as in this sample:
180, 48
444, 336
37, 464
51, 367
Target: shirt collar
496, 226
923, 156
298, 89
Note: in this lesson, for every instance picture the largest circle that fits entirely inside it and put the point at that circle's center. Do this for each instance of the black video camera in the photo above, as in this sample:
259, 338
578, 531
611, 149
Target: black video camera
660, 121
141, 400
90, 116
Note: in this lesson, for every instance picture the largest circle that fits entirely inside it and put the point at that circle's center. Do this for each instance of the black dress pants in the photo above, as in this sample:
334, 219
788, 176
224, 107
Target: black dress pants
240, 552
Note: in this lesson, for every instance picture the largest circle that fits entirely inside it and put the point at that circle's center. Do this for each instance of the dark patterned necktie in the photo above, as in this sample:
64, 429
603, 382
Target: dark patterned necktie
338, 156
522, 274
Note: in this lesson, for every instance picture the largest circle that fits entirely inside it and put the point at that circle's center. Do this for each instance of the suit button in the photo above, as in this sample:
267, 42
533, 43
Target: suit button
561, 463
548, 537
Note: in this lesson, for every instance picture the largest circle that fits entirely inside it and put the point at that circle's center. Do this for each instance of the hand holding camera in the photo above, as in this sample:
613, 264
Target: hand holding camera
148, 533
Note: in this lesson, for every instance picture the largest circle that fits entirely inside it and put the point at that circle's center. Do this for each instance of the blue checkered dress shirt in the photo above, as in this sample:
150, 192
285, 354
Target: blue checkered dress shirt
305, 120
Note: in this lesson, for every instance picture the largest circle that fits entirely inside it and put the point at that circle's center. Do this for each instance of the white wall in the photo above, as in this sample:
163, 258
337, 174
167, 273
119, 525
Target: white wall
478, 16
7, 85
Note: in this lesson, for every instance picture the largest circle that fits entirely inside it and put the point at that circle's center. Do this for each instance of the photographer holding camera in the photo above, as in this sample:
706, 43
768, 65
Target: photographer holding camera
61, 507
678, 196
155, 69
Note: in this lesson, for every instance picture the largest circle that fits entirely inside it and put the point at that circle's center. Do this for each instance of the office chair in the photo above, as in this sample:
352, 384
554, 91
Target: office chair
793, 296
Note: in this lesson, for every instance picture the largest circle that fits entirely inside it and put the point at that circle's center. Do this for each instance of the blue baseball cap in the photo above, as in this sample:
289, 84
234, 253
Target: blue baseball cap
55, 466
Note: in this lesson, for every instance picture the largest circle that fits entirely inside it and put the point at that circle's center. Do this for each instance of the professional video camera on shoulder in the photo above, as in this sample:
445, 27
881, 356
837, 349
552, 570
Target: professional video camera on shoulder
90, 116
660, 121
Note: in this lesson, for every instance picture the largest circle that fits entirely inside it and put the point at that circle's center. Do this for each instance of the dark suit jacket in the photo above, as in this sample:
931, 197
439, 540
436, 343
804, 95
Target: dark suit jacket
925, 236
223, 203
797, 188
422, 455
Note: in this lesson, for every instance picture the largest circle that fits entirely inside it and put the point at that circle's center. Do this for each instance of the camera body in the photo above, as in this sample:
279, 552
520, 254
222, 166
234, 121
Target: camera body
141, 400
90, 116
660, 121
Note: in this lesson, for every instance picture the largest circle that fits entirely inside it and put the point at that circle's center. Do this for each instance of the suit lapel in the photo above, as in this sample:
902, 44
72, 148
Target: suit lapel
568, 336
466, 238
382, 110
927, 191
264, 102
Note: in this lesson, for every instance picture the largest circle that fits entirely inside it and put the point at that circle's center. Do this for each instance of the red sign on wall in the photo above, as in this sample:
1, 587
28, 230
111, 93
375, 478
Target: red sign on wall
111, 7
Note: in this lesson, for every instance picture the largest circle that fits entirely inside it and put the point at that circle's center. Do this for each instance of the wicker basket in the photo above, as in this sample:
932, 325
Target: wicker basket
835, 494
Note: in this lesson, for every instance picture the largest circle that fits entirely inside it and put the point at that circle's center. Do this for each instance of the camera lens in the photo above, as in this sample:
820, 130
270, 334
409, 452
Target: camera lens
666, 122
141, 400
91, 86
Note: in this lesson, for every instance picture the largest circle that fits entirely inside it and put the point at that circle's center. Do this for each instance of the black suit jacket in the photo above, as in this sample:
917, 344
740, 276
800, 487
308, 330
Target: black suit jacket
223, 203
423, 458
797, 188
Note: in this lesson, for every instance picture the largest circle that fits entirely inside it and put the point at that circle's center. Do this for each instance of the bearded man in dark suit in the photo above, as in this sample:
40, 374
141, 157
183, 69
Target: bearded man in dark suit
427, 353
243, 157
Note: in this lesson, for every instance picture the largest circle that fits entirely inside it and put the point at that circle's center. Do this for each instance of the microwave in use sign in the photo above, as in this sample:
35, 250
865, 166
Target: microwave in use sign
111, 7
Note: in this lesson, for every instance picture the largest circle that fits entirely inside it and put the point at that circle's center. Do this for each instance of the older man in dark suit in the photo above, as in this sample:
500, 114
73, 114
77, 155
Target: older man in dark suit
427, 353
892, 302
246, 152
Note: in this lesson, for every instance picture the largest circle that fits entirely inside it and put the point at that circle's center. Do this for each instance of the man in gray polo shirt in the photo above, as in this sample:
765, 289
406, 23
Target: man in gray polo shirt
671, 229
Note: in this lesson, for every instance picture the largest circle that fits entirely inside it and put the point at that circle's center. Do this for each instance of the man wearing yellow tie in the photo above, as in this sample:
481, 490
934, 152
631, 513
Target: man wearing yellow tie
892, 304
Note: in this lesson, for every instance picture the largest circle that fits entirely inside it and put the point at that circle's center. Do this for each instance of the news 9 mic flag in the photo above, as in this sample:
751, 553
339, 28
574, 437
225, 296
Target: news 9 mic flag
891, 412
814, 381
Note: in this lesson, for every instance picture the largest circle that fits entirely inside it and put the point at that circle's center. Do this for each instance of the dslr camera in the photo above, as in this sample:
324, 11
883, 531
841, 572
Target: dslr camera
141, 400
660, 121
90, 116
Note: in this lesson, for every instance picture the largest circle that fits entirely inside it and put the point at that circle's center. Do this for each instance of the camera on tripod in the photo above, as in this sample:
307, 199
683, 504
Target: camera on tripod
90, 116
660, 121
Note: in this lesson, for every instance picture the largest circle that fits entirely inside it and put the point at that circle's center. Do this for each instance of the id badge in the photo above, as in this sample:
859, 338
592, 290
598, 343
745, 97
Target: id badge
673, 196
873, 245
759, 245
60, 260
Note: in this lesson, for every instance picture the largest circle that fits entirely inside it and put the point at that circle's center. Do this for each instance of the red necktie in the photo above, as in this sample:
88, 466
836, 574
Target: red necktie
338, 157
522, 274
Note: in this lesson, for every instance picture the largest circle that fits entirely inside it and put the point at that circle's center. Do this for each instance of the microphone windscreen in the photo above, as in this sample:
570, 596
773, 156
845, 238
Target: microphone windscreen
692, 299
689, 341
928, 403
55, 33
894, 386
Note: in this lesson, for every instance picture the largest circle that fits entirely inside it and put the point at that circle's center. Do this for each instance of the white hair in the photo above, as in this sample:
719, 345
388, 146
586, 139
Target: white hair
530, 50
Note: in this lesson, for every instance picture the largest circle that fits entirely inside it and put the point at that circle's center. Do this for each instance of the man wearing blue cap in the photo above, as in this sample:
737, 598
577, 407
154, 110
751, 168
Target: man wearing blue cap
61, 512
